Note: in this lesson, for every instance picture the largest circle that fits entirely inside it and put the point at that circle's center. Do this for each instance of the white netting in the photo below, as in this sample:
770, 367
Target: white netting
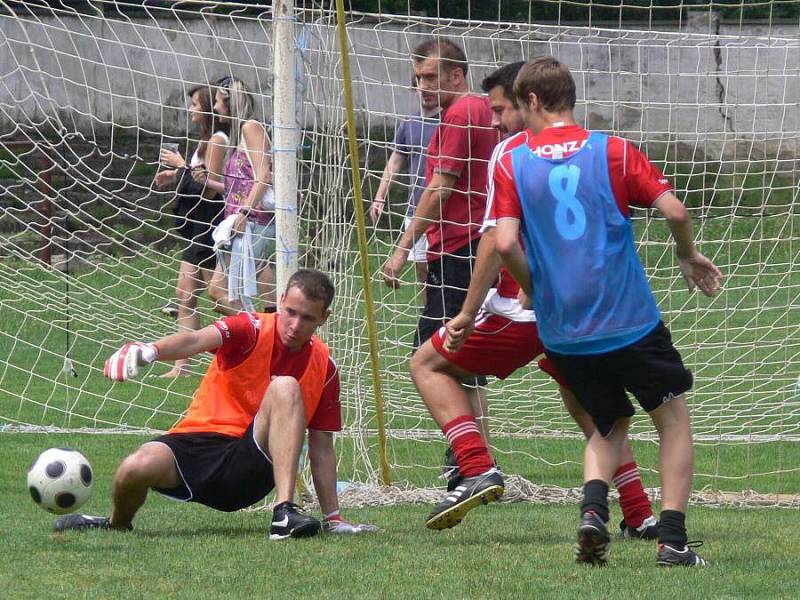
88, 91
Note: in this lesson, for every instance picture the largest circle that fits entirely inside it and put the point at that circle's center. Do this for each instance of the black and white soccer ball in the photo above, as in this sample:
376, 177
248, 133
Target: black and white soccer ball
60, 480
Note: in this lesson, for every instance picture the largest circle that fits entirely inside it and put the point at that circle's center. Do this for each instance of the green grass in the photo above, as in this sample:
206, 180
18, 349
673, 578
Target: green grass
500, 551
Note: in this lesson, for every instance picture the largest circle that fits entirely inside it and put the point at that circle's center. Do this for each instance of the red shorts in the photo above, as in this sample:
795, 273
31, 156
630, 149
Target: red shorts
498, 346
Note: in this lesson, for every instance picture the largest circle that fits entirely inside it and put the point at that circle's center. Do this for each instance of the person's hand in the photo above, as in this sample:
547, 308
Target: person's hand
165, 179
341, 527
394, 267
200, 175
171, 159
700, 272
376, 209
125, 362
239, 223
458, 329
524, 300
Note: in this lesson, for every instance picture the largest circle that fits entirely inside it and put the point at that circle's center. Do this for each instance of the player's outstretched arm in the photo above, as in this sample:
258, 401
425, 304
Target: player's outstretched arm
323, 471
698, 271
125, 363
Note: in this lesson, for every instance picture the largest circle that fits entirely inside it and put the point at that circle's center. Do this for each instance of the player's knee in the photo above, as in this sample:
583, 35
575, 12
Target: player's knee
283, 393
137, 468
418, 364
671, 414
426, 360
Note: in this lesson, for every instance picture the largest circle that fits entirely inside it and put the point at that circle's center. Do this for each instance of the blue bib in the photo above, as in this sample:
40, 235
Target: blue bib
590, 291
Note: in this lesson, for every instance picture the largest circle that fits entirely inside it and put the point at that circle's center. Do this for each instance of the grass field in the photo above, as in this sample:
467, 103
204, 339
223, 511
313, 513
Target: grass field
500, 551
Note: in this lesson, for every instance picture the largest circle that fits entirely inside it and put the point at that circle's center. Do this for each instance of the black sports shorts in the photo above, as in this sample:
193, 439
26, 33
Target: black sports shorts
650, 369
223, 472
200, 248
445, 290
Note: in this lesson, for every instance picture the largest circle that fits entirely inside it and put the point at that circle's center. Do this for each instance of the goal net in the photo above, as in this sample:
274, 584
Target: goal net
89, 248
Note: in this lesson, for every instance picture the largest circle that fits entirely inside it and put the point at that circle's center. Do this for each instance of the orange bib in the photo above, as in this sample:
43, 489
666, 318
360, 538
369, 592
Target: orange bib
227, 401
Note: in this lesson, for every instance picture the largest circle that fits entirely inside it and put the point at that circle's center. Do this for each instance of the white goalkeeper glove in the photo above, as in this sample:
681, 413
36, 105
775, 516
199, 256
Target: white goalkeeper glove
337, 525
125, 362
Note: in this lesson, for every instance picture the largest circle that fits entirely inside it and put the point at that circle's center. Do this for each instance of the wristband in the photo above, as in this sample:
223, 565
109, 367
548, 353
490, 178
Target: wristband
245, 211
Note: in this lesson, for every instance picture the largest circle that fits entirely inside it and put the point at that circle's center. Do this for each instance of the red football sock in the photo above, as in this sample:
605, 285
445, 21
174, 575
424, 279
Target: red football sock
471, 452
632, 497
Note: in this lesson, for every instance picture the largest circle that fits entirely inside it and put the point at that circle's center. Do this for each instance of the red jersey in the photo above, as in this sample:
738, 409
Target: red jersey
635, 181
461, 145
239, 335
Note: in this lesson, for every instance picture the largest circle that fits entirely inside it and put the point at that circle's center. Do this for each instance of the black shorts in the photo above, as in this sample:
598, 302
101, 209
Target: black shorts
446, 288
200, 248
195, 220
650, 369
223, 472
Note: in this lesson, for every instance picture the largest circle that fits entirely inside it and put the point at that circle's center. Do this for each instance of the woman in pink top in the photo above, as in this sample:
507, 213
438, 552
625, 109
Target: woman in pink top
248, 189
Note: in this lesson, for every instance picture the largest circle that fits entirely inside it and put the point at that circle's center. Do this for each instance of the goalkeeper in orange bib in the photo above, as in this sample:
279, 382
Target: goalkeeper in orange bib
270, 379
494, 335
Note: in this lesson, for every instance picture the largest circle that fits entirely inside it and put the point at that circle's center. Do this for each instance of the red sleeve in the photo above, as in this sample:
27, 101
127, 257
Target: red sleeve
239, 336
635, 180
505, 198
329, 412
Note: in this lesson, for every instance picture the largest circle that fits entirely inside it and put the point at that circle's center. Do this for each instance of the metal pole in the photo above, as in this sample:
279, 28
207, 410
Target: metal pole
46, 207
358, 210
286, 138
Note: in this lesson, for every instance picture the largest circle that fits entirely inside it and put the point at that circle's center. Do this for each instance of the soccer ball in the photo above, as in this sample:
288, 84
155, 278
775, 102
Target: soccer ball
60, 480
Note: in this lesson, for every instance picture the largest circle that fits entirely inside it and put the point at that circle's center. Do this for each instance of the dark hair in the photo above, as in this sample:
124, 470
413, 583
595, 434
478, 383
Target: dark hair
450, 53
314, 284
209, 124
504, 77
550, 80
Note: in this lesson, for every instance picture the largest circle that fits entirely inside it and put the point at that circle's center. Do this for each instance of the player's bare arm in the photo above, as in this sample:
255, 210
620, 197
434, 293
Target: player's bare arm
511, 253
396, 163
322, 457
484, 274
698, 271
430, 204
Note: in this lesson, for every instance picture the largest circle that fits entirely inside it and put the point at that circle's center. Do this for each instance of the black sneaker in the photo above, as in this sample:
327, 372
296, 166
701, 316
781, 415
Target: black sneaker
170, 309
450, 468
648, 530
81, 523
467, 494
289, 520
593, 540
669, 556
451, 472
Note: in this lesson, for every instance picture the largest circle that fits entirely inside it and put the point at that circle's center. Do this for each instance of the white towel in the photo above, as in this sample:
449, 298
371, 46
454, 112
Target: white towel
241, 272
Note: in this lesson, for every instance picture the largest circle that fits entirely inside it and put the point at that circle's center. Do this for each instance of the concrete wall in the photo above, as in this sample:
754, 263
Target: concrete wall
729, 88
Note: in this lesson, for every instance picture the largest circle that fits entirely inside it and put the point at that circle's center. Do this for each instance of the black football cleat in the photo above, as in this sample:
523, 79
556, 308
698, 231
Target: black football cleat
289, 520
669, 556
593, 540
467, 493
